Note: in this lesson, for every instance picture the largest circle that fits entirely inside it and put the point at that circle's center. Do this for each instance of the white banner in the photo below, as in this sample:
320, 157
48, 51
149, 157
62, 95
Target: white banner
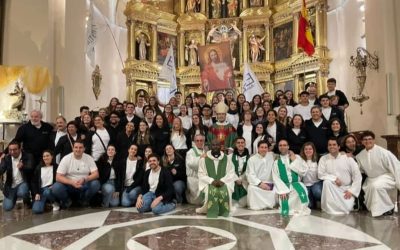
251, 85
168, 71
91, 35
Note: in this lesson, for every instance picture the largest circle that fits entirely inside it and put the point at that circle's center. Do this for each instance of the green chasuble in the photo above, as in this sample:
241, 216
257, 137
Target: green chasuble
295, 184
239, 191
218, 198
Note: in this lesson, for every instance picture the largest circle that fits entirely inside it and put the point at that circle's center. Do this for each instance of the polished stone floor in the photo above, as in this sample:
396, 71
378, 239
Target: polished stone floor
184, 229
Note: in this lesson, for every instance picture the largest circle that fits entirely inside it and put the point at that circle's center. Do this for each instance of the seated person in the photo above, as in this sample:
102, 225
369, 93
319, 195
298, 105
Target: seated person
342, 180
286, 174
76, 177
383, 171
261, 193
174, 162
157, 189
43, 179
192, 166
216, 181
18, 167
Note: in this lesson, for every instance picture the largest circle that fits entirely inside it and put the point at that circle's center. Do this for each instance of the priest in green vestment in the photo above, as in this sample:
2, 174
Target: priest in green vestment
216, 182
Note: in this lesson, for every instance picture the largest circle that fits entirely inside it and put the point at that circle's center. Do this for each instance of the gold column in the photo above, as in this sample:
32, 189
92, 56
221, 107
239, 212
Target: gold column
267, 42
295, 32
245, 4
130, 87
321, 23
203, 7
181, 51
131, 46
154, 43
321, 82
269, 87
203, 36
297, 88
183, 6
245, 45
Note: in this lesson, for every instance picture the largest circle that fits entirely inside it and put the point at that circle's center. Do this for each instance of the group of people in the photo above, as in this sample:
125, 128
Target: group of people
260, 154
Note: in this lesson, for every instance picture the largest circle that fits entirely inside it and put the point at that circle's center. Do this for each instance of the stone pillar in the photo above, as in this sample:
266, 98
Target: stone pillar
245, 45
181, 51
154, 43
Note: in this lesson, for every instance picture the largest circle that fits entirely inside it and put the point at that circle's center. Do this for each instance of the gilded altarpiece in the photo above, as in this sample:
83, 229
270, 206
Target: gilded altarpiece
262, 33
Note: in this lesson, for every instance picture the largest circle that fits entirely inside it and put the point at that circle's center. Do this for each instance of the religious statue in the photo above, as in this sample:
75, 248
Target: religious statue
193, 6
18, 92
191, 53
215, 8
225, 34
232, 8
143, 44
96, 80
256, 46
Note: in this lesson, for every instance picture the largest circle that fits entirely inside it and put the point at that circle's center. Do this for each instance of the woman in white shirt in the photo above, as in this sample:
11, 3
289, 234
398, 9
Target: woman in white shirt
185, 118
99, 139
43, 179
132, 172
233, 114
109, 177
246, 129
179, 137
310, 179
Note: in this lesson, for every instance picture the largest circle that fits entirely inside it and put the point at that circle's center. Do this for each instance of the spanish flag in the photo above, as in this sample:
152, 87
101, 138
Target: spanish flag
305, 39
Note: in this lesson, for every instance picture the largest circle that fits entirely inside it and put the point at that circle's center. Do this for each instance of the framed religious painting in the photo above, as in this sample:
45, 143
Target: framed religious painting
164, 41
256, 3
283, 41
216, 70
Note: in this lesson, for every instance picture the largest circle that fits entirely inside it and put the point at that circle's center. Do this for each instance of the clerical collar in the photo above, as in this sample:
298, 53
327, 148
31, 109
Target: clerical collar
244, 153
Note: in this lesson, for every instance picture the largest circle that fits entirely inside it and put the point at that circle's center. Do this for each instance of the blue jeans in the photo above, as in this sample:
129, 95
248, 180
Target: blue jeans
64, 193
46, 195
107, 190
180, 188
314, 194
129, 198
161, 208
20, 191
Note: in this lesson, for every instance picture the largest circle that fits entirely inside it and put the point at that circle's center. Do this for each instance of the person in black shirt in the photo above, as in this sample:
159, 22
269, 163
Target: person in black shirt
296, 134
175, 163
160, 132
317, 130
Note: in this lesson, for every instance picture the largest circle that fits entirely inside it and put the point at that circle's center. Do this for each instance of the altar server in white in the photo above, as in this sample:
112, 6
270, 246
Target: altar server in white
260, 192
342, 180
383, 171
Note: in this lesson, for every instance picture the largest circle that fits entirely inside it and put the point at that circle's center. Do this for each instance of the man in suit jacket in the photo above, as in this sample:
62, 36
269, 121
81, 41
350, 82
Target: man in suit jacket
18, 167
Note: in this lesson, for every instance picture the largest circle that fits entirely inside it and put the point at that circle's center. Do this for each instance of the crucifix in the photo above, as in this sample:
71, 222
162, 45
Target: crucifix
40, 101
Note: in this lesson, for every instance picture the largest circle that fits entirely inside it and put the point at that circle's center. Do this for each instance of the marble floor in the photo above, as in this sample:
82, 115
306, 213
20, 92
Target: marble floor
184, 229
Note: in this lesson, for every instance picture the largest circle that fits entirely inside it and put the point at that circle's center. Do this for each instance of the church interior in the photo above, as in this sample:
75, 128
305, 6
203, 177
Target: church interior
45, 65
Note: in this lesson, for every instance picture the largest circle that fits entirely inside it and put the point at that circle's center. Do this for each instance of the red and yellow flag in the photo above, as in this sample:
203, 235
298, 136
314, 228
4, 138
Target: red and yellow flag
305, 39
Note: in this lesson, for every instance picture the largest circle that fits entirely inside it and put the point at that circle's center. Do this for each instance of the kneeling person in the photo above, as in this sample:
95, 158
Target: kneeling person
342, 180
216, 181
76, 177
157, 189
259, 174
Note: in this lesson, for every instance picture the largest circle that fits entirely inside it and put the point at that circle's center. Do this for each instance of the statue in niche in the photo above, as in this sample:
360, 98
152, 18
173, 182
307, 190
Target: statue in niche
143, 42
193, 6
256, 47
20, 94
222, 33
215, 8
232, 8
191, 55
96, 80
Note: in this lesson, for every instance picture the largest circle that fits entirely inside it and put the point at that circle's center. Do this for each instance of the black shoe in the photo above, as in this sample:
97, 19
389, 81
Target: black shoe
390, 212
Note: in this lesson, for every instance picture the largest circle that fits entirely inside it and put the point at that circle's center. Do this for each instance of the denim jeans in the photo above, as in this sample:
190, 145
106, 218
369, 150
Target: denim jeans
314, 194
20, 191
161, 208
180, 188
64, 193
107, 190
46, 195
129, 198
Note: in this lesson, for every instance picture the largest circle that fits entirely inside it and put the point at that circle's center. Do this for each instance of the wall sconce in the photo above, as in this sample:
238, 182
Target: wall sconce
361, 61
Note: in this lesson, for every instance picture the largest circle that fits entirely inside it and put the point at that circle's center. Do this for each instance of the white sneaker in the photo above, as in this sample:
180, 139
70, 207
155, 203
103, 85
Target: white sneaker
56, 207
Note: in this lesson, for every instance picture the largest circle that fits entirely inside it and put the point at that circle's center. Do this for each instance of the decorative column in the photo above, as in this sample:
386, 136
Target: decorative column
131, 46
295, 32
321, 82
130, 87
203, 7
154, 43
203, 36
267, 43
297, 87
245, 45
245, 4
182, 6
181, 49
320, 24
